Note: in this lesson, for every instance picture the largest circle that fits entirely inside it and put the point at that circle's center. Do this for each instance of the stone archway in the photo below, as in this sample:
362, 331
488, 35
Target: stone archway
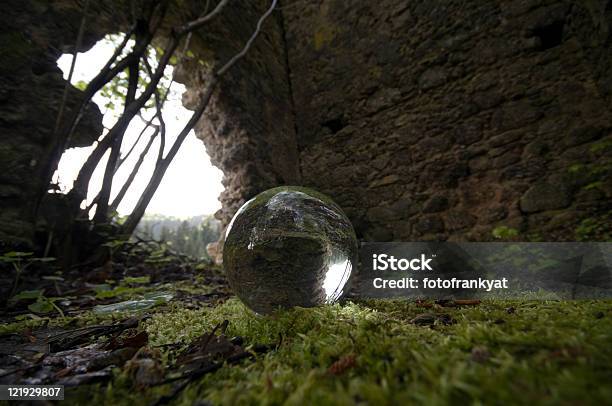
418, 128
248, 127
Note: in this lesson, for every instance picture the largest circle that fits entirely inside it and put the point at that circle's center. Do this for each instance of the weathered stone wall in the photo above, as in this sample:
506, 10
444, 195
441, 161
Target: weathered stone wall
423, 119
447, 119
248, 127
34, 35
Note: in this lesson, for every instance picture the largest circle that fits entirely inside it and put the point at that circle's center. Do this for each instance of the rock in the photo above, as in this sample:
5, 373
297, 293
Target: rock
582, 134
429, 319
431, 78
535, 149
424, 319
387, 180
544, 196
468, 133
289, 246
515, 114
406, 207
402, 230
487, 100
379, 234
495, 213
383, 98
31, 90
429, 224
459, 220
380, 163
215, 252
381, 214
435, 204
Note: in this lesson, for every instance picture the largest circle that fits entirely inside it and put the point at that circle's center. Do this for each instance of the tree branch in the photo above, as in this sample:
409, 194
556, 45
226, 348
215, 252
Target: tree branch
130, 224
160, 169
246, 48
117, 200
75, 53
80, 188
194, 25
101, 215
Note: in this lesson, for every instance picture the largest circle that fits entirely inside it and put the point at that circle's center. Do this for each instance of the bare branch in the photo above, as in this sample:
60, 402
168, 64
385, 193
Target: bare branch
246, 48
159, 105
79, 190
162, 140
117, 200
105, 75
75, 53
101, 215
130, 225
124, 158
160, 169
193, 25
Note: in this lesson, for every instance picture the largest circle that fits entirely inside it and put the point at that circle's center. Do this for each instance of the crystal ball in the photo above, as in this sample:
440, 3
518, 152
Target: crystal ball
289, 246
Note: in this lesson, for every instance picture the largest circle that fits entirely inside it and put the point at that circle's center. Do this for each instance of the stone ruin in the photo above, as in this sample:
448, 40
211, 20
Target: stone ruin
425, 120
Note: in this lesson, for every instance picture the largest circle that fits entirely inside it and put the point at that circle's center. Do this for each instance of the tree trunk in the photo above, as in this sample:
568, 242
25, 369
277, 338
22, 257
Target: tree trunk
162, 165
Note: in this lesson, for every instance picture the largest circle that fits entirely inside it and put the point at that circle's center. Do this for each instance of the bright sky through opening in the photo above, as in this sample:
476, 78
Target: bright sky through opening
191, 185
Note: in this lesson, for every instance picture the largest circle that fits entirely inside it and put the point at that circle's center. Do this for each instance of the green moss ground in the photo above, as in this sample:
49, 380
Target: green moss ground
538, 352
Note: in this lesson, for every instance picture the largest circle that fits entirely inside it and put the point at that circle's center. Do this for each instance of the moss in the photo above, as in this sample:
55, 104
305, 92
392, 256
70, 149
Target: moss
594, 185
513, 352
16, 52
595, 228
545, 352
84, 319
589, 175
576, 168
504, 232
601, 146
534, 237
323, 36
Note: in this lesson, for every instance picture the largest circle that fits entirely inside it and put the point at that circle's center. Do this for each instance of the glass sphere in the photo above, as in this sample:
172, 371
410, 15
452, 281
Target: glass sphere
289, 246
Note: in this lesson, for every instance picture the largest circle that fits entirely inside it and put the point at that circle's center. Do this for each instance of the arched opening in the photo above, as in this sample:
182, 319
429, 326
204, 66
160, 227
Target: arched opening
188, 196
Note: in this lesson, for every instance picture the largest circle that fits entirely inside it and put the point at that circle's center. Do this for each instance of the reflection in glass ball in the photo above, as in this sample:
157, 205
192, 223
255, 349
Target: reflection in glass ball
289, 246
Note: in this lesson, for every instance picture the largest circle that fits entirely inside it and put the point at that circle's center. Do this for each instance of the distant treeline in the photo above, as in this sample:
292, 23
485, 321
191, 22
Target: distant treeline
187, 236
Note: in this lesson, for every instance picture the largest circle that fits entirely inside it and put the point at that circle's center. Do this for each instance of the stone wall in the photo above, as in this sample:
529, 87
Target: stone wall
426, 119
34, 35
451, 119
248, 127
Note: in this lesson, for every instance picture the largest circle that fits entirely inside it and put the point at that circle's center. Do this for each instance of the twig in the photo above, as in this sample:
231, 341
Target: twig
198, 373
246, 48
24, 369
81, 184
130, 225
101, 215
193, 25
124, 158
75, 53
117, 200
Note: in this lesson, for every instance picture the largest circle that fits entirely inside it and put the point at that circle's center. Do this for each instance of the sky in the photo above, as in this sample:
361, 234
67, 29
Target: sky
191, 185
